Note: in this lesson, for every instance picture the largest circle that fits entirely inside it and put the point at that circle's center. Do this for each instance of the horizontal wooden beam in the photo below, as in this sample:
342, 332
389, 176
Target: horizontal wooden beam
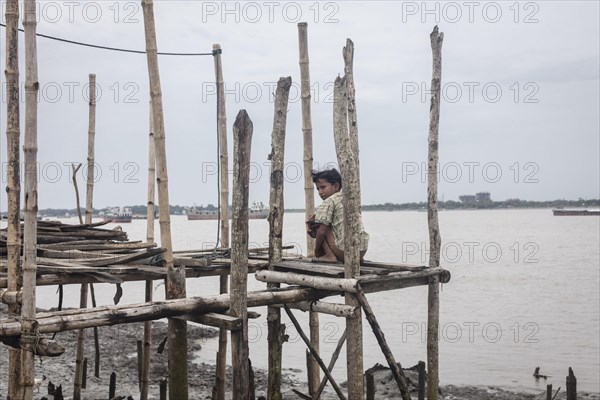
339, 310
219, 320
316, 282
8, 297
131, 273
83, 318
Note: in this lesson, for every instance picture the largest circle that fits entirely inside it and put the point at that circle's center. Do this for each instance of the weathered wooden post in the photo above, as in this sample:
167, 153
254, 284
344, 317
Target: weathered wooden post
276, 335
175, 285
242, 141
370, 385
13, 187
146, 366
395, 367
433, 309
223, 212
421, 384
309, 190
29, 331
571, 385
346, 140
548, 392
89, 201
89, 196
112, 385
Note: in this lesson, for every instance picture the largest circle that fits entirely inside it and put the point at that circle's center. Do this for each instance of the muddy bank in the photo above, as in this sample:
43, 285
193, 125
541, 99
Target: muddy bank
118, 353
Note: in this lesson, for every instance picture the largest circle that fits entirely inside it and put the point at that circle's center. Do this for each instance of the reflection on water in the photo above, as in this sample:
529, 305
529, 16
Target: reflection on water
524, 293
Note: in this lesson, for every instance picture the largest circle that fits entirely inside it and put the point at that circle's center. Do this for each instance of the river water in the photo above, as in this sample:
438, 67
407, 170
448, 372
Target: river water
524, 292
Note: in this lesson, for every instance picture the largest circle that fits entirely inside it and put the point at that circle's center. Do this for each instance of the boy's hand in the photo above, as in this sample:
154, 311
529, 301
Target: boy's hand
311, 227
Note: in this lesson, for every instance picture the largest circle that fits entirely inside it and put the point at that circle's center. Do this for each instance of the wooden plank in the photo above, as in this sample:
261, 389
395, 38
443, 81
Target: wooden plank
216, 320
398, 267
310, 268
191, 262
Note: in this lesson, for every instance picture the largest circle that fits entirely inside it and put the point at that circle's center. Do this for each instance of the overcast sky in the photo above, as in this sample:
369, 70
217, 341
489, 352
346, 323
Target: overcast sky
519, 114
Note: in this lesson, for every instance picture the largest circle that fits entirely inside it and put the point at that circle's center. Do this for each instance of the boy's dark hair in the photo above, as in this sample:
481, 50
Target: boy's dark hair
330, 175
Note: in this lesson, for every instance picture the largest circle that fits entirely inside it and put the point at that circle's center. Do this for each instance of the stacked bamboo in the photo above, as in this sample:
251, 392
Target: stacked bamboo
84, 249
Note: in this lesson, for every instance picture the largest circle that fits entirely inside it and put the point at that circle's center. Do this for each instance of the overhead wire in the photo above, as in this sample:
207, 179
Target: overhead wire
96, 46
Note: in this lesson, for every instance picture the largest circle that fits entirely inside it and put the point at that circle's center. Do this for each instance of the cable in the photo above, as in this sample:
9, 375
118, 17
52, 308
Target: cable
95, 46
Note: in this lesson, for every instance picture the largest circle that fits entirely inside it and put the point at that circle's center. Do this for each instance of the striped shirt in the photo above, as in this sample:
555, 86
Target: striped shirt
331, 212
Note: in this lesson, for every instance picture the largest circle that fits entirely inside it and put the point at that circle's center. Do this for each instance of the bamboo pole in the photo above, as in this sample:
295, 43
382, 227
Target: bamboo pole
276, 330
112, 315
338, 310
334, 357
146, 365
395, 367
242, 140
80, 346
89, 201
224, 213
346, 139
13, 187
314, 353
223, 152
313, 281
309, 190
433, 308
89, 196
74, 170
29, 325
175, 285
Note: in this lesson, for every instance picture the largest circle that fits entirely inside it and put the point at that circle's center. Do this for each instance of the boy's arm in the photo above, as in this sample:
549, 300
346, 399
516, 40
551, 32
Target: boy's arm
320, 238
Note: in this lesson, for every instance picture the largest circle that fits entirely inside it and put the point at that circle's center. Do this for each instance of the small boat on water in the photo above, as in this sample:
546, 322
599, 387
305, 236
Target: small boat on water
574, 212
118, 215
257, 211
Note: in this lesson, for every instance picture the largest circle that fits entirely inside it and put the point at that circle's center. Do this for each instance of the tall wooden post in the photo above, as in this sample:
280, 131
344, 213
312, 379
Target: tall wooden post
146, 362
13, 187
309, 190
433, 309
346, 140
224, 212
89, 199
571, 385
276, 328
89, 196
28, 323
242, 141
175, 285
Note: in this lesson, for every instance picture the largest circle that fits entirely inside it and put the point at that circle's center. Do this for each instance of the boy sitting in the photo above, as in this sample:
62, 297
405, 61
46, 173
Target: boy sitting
327, 225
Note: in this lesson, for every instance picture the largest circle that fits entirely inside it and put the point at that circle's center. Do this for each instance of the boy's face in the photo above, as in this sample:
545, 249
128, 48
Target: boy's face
326, 189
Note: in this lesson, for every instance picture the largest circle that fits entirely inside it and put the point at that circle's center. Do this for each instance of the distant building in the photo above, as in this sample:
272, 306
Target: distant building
467, 199
483, 197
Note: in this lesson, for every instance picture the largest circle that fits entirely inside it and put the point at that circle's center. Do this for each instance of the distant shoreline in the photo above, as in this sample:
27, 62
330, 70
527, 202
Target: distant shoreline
421, 206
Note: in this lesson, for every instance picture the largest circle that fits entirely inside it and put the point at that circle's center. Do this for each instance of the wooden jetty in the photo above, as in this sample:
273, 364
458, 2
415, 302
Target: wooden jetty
54, 253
